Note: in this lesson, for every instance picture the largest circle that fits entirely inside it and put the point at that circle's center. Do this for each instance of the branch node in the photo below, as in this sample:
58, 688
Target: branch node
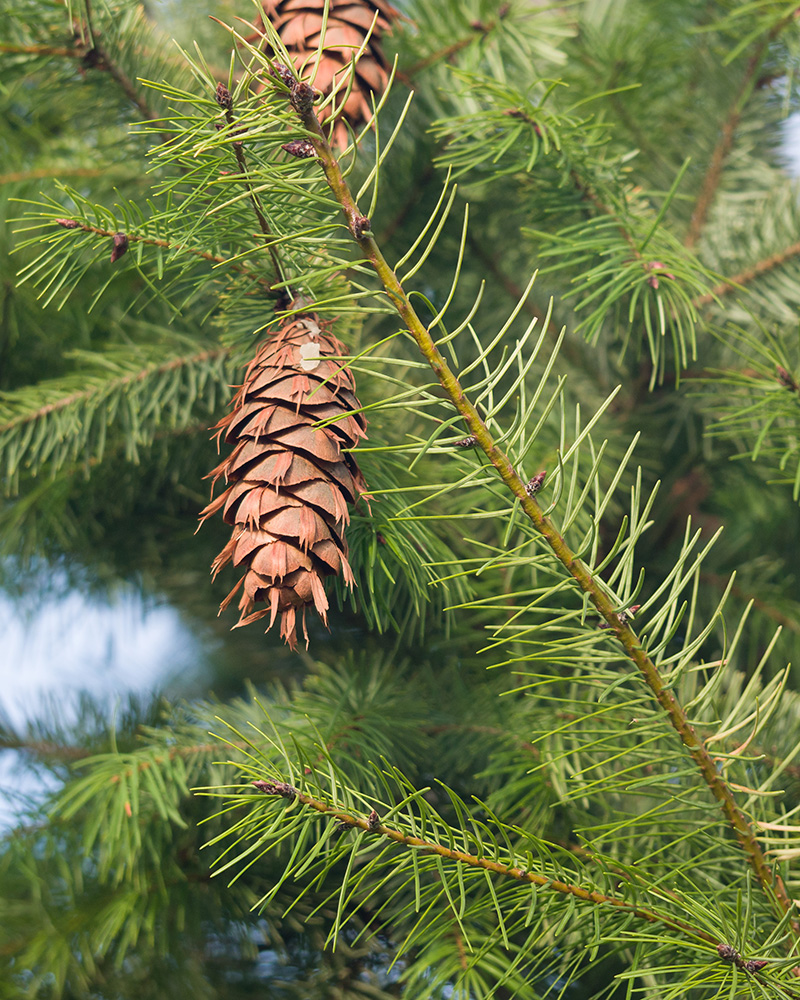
302, 97
301, 148
223, 97
120, 248
361, 225
281, 788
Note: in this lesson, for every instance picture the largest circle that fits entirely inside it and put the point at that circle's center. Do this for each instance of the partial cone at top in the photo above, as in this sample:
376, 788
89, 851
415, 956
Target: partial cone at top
289, 482
299, 24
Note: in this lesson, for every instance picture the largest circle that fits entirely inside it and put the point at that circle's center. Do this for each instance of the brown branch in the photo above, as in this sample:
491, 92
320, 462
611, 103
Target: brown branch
619, 626
41, 50
588, 194
748, 274
91, 56
44, 748
225, 101
480, 31
105, 62
373, 826
34, 175
99, 58
725, 141
77, 397
153, 241
171, 754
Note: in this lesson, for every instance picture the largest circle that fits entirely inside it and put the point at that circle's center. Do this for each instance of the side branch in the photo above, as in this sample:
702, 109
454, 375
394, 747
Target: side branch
166, 245
359, 225
92, 58
130, 379
373, 825
749, 274
725, 141
98, 57
480, 32
225, 101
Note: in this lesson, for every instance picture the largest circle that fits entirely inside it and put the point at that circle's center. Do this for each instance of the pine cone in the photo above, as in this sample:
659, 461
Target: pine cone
299, 24
289, 481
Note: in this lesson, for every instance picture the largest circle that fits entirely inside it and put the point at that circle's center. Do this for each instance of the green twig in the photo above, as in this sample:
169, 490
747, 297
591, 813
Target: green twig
302, 100
373, 826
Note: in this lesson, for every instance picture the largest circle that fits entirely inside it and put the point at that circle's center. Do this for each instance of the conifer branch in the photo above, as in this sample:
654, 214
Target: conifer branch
480, 31
749, 274
120, 383
195, 750
40, 50
302, 100
43, 748
225, 101
372, 825
98, 57
725, 141
19, 176
166, 245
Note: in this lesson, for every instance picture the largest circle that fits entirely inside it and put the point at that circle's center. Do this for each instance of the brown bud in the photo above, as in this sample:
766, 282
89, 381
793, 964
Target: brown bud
755, 965
283, 73
301, 148
657, 265
223, 97
68, 223
302, 97
373, 822
361, 225
786, 379
120, 248
281, 788
467, 442
728, 953
535, 484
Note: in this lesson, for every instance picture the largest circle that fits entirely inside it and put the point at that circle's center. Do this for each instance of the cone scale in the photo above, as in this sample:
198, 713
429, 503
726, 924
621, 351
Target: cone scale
349, 27
289, 482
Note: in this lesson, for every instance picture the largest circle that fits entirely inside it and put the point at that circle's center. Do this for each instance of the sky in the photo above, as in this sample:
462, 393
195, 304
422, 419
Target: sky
70, 642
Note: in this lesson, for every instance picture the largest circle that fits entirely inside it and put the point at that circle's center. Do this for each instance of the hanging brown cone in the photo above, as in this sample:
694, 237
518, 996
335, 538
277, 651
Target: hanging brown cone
299, 24
289, 481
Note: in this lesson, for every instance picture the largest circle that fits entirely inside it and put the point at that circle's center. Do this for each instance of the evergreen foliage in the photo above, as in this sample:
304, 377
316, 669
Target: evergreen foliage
550, 747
